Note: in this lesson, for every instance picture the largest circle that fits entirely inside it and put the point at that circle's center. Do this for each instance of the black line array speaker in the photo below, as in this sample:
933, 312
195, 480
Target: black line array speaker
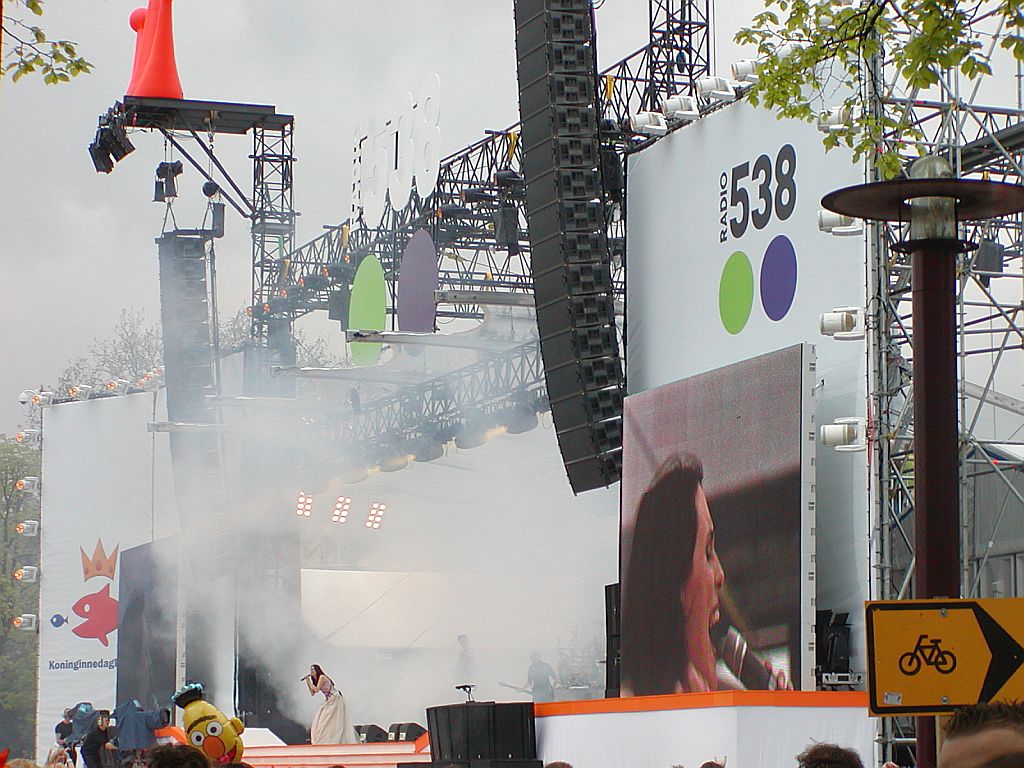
188, 373
566, 219
613, 655
483, 733
371, 734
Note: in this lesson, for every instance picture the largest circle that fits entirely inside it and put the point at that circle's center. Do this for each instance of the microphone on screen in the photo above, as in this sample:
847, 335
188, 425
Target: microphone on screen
748, 667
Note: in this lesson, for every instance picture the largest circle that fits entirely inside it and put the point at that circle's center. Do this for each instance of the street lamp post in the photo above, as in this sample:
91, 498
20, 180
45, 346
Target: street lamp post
932, 202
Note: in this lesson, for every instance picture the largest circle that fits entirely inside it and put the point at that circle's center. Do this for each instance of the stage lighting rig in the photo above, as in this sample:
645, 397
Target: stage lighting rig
27, 574
79, 392
718, 88
29, 485
648, 124
27, 437
844, 323
110, 144
341, 509
27, 622
681, 108
303, 505
166, 186
27, 528
846, 434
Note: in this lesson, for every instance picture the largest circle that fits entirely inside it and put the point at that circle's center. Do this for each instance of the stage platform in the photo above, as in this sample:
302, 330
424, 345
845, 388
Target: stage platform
382, 754
385, 753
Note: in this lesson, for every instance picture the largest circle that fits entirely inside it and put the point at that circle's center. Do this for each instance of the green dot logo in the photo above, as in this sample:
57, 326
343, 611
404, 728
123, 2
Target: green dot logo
736, 292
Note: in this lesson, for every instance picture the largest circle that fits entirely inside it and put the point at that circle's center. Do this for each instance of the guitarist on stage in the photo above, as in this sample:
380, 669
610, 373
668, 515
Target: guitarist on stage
540, 679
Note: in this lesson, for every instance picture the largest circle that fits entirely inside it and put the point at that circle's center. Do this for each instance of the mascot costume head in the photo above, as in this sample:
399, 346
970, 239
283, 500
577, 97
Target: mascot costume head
208, 729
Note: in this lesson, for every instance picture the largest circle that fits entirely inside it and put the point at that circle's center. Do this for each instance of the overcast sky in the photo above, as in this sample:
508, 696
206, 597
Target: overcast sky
78, 245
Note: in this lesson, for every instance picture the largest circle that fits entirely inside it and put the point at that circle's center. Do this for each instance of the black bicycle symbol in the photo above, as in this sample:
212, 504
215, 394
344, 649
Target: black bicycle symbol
930, 654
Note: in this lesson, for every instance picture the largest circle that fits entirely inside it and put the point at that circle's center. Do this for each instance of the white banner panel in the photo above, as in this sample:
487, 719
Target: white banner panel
690, 730
726, 262
100, 496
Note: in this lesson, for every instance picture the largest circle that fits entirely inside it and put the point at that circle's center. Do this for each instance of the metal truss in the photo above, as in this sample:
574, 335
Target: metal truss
982, 142
460, 213
273, 215
435, 409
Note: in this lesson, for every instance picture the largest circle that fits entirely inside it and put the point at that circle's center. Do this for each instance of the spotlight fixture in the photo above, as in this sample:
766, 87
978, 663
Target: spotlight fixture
27, 622
117, 386
684, 109
839, 224
835, 120
29, 485
42, 399
166, 173
844, 323
786, 50
745, 71
303, 505
27, 574
717, 88
27, 528
25, 397
376, 515
80, 392
27, 437
395, 456
472, 433
101, 159
211, 188
847, 434
426, 448
110, 144
341, 509
648, 124
521, 418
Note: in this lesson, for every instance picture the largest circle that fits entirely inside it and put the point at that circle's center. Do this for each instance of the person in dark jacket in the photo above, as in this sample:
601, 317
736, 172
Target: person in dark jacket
97, 740
136, 729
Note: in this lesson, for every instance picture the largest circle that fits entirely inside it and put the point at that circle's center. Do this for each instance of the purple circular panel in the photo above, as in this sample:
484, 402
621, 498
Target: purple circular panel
417, 281
778, 278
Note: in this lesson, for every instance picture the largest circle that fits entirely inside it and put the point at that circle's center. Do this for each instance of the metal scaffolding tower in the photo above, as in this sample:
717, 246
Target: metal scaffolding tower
980, 142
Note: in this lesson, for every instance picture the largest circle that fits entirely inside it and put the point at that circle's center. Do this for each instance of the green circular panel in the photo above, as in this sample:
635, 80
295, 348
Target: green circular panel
736, 292
367, 309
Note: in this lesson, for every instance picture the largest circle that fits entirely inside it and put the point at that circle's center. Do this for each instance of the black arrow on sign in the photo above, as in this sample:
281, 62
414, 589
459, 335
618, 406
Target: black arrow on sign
1007, 654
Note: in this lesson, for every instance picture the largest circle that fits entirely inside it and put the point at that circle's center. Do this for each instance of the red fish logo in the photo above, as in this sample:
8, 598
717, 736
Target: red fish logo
100, 613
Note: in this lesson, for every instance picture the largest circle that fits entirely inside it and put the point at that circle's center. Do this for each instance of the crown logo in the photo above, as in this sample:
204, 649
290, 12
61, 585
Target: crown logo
99, 564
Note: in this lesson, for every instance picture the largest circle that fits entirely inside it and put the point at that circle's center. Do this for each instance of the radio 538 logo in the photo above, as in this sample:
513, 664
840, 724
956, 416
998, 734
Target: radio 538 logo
754, 195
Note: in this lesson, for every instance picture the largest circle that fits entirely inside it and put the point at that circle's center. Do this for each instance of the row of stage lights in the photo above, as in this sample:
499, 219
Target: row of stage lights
681, 109
42, 397
342, 507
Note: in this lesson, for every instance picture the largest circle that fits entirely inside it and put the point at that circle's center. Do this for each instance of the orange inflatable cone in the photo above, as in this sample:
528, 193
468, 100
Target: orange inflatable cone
143, 42
159, 79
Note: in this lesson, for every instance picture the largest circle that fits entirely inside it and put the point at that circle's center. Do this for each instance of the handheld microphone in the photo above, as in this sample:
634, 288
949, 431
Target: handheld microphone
743, 662
307, 677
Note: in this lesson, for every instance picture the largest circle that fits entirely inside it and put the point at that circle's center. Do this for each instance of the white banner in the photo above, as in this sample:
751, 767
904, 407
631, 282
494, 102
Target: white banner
99, 498
693, 729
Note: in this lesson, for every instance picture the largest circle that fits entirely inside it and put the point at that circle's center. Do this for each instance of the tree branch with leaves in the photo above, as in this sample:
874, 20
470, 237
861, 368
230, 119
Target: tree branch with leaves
27, 49
811, 50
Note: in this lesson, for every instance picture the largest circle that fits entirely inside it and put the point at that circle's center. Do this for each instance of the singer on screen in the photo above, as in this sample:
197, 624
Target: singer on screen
672, 587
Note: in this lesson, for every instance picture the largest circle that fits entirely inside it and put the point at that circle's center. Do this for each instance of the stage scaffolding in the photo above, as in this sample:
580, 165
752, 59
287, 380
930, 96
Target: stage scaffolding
980, 141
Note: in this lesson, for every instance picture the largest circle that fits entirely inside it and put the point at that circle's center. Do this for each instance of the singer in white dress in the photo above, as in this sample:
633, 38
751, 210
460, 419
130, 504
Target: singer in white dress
331, 724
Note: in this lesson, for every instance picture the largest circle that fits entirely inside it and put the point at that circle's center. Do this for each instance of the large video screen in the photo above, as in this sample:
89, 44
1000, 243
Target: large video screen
726, 261
717, 530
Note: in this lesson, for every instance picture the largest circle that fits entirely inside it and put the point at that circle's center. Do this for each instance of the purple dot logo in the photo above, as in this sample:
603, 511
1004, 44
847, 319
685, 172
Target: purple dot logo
778, 278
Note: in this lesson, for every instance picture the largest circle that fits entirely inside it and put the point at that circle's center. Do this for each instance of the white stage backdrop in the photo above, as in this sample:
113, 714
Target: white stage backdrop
657, 735
99, 498
726, 262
